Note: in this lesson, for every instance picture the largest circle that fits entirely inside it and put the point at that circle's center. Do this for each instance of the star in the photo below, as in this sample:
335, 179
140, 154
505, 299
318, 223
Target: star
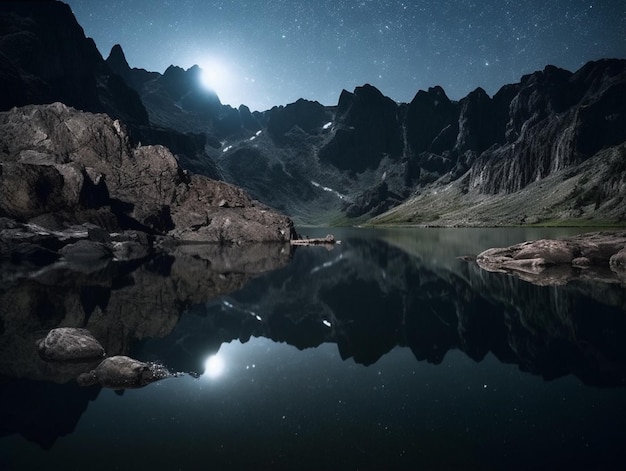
314, 50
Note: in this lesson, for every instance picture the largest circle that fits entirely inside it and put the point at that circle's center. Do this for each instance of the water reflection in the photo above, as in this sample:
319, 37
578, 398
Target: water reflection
371, 295
214, 366
399, 302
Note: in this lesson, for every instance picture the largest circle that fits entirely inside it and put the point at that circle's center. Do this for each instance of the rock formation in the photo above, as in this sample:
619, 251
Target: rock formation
309, 116
367, 128
556, 262
69, 344
82, 168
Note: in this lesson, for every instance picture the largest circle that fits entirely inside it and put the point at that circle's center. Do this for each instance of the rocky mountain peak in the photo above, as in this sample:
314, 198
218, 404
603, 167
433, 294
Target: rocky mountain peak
477, 124
307, 115
346, 99
50, 59
429, 114
185, 87
367, 130
117, 58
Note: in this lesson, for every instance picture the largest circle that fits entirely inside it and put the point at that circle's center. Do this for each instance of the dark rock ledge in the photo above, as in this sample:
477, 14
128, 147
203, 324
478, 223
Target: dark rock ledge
74, 187
592, 256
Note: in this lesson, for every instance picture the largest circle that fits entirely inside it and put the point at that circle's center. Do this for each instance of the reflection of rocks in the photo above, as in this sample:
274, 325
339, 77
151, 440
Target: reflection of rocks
69, 344
122, 372
368, 297
555, 331
556, 262
42, 411
74, 347
119, 303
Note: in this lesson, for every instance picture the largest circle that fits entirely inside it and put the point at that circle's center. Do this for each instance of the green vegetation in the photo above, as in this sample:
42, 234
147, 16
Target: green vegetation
594, 223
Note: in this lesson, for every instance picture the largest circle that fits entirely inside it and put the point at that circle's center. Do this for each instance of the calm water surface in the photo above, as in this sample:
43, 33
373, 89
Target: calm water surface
386, 352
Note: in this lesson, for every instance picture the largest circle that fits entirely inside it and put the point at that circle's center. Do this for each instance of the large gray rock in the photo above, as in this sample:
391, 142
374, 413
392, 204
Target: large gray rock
69, 344
122, 372
552, 262
81, 160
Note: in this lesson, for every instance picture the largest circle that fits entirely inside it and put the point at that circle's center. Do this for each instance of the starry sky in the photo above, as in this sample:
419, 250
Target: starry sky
271, 52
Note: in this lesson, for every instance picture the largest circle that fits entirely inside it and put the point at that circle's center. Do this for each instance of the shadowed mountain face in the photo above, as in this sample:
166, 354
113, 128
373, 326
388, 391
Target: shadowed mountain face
46, 58
366, 156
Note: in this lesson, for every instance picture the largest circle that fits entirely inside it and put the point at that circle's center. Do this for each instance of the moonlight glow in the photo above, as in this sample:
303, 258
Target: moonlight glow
215, 76
214, 366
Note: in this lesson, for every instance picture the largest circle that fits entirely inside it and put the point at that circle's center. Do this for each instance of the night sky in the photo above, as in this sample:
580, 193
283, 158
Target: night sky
272, 52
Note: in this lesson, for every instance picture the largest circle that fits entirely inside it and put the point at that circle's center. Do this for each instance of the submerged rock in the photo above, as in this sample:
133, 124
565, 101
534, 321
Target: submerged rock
69, 344
86, 251
121, 372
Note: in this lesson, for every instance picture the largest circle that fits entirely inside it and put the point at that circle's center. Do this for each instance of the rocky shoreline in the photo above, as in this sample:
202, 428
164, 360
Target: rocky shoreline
81, 203
73, 185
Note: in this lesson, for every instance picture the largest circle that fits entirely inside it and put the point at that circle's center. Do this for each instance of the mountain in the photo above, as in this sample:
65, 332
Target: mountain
46, 58
549, 149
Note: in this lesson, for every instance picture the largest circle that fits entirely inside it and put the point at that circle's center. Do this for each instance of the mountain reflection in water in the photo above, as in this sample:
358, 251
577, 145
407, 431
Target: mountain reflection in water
455, 358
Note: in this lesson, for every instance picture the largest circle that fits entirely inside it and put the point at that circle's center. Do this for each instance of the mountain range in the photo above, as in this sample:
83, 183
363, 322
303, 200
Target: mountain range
550, 149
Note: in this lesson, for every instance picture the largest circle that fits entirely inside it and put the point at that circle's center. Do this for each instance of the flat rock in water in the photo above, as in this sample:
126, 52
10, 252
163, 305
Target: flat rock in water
69, 344
572, 257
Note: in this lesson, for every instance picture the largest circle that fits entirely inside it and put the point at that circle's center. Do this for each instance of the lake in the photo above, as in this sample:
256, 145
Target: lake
384, 352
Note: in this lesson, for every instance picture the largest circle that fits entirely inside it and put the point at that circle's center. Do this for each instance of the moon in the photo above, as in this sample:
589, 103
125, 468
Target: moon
215, 76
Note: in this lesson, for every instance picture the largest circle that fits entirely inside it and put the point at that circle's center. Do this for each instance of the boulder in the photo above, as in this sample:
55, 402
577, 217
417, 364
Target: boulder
132, 245
559, 261
69, 344
86, 251
122, 372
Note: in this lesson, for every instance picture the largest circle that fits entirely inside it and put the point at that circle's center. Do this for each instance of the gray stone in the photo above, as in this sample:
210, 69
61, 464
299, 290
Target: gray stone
552, 262
69, 344
122, 372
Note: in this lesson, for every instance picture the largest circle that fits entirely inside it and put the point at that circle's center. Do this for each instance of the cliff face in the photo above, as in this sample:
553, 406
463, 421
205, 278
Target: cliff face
367, 129
556, 120
372, 153
51, 60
